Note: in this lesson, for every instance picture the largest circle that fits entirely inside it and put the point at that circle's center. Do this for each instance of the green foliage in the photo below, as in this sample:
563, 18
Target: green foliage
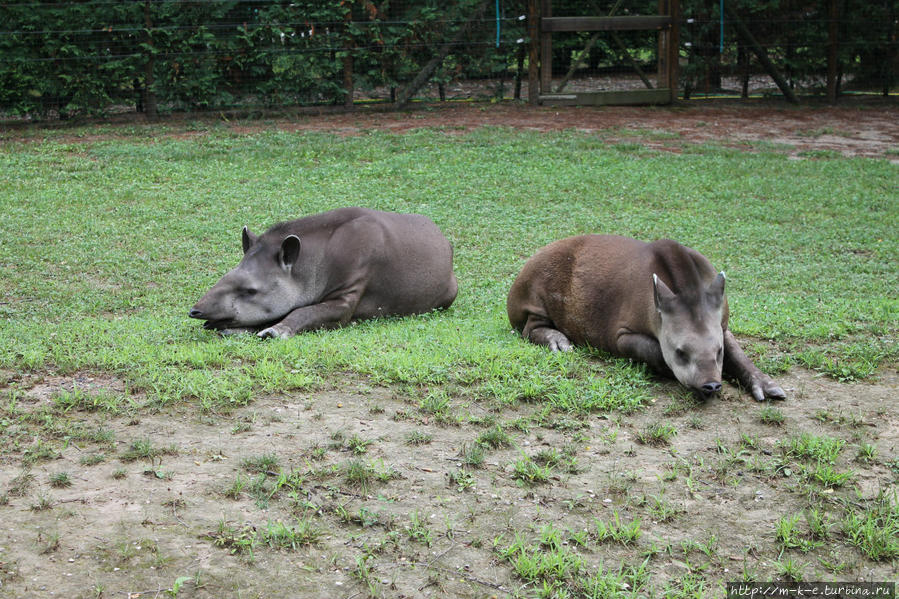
795, 37
66, 59
95, 57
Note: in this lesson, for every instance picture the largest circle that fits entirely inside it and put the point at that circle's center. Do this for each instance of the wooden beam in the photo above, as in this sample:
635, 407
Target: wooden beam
632, 23
833, 19
533, 51
638, 97
428, 70
585, 52
546, 48
348, 62
761, 54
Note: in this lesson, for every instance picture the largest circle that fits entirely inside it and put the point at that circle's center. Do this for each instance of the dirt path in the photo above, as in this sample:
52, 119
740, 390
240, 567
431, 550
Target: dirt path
129, 528
851, 131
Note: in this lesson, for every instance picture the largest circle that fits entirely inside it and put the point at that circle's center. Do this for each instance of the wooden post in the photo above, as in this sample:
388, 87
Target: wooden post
890, 43
674, 48
546, 49
833, 13
662, 62
149, 98
519, 70
348, 61
533, 51
669, 54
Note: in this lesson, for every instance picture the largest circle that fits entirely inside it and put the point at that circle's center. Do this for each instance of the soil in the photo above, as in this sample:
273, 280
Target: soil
856, 127
135, 535
861, 129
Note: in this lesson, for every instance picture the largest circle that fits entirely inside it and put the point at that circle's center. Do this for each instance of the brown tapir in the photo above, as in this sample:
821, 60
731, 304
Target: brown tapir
661, 303
324, 270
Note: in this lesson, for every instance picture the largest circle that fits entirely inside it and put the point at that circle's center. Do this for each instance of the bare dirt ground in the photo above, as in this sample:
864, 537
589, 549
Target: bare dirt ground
860, 129
857, 127
133, 528
177, 522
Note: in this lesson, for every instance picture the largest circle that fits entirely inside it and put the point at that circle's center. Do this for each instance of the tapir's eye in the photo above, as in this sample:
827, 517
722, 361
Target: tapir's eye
682, 356
720, 354
250, 291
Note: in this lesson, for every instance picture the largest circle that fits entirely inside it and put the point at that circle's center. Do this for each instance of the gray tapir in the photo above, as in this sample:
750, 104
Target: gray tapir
661, 303
324, 270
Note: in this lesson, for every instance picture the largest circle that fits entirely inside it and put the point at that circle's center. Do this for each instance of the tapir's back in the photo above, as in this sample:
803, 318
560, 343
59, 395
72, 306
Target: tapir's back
405, 259
593, 287
415, 268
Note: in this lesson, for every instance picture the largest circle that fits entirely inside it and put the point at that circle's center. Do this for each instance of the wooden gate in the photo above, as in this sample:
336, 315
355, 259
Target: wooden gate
542, 25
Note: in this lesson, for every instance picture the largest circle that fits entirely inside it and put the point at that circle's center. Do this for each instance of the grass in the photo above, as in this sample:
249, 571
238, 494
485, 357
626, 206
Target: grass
771, 415
814, 447
419, 438
267, 462
788, 535
112, 302
617, 531
656, 434
303, 533
362, 475
60, 480
140, 449
874, 530
495, 438
530, 472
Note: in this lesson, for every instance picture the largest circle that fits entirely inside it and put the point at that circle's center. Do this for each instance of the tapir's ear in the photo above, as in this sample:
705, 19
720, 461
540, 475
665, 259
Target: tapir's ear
290, 251
661, 294
247, 238
715, 292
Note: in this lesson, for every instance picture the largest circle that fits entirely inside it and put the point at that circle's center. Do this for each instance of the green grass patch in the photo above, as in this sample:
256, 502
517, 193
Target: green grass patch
115, 240
874, 529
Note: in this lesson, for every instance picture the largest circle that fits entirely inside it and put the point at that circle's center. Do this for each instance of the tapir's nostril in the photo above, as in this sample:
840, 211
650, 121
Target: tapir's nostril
711, 388
194, 313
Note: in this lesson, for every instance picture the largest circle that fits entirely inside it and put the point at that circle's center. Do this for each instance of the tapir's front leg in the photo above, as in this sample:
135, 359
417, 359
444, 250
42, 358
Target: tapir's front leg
740, 367
540, 330
643, 348
328, 314
227, 331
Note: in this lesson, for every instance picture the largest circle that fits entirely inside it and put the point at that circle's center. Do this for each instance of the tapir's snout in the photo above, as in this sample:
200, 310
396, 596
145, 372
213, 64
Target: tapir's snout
710, 389
194, 313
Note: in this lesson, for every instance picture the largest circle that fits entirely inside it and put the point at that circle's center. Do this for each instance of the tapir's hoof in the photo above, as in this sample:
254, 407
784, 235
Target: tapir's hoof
767, 390
551, 338
277, 331
561, 345
230, 332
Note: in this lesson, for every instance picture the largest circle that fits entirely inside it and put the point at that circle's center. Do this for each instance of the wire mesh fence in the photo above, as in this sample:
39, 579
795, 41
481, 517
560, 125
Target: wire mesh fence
97, 57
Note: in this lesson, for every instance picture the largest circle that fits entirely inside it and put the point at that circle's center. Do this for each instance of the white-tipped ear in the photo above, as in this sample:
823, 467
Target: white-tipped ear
661, 294
715, 292
289, 252
247, 239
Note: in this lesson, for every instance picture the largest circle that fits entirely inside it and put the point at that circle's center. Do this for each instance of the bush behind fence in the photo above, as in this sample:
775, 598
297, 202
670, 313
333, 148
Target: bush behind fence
60, 59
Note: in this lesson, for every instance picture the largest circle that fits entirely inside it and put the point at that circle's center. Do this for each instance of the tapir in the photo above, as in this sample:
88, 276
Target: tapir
324, 270
660, 303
